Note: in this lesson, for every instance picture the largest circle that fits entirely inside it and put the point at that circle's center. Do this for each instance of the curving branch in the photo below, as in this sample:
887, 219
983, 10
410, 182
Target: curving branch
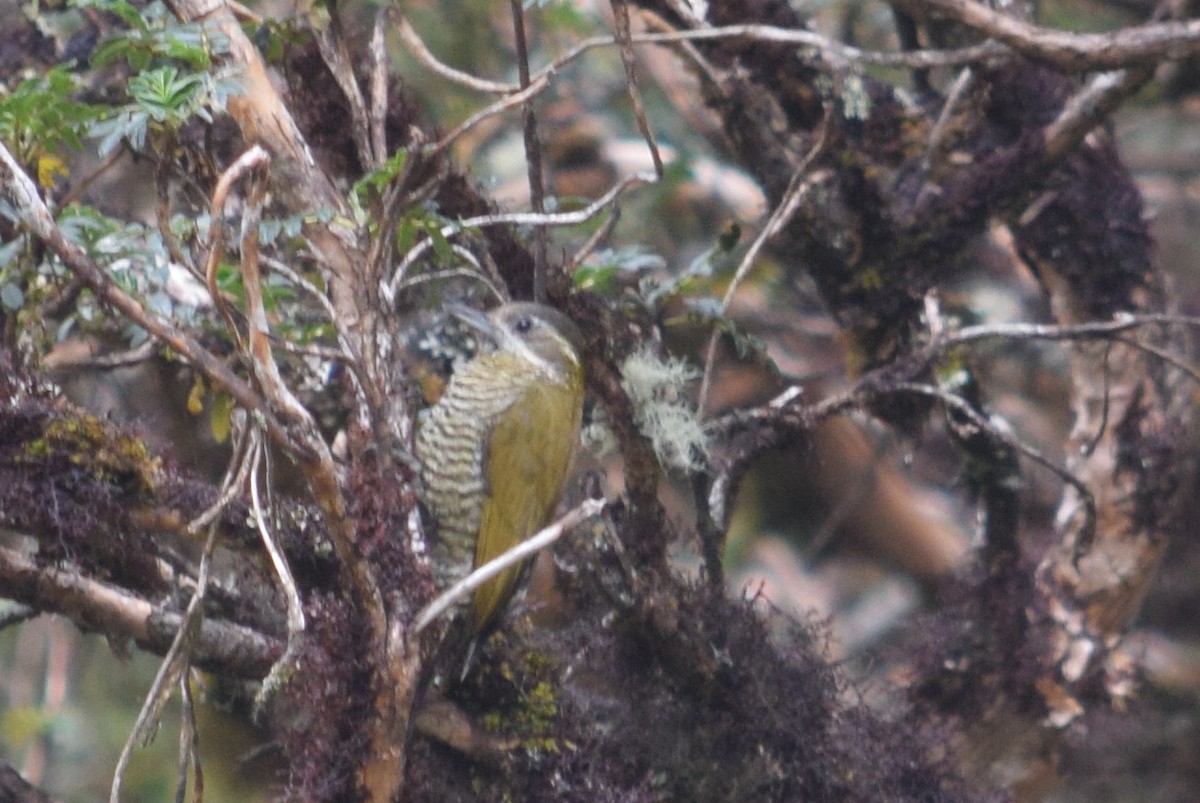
1070, 52
20, 192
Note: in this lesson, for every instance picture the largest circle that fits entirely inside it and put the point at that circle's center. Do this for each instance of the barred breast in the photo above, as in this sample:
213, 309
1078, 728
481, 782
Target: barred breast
451, 448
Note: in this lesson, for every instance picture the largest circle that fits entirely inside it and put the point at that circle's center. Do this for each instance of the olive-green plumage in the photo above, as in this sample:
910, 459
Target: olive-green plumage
497, 446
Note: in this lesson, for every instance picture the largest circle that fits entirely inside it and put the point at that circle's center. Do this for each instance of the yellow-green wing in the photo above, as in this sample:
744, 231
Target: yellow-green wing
529, 454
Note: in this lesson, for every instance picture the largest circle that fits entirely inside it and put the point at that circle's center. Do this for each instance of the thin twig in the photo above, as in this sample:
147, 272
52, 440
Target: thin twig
1122, 322
162, 214
175, 661
33, 213
514, 100
555, 218
422, 54
285, 270
283, 573
797, 188
598, 237
189, 745
964, 408
475, 273
77, 189
957, 89
1162, 354
784, 406
530, 546
621, 16
398, 279
790, 36
533, 154
377, 111
540, 80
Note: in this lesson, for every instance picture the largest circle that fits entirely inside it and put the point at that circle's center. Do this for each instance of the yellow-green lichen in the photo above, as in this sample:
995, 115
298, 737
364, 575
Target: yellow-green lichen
108, 456
533, 711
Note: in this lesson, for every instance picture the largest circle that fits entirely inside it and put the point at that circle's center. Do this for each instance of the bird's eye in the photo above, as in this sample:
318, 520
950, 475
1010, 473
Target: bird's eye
523, 324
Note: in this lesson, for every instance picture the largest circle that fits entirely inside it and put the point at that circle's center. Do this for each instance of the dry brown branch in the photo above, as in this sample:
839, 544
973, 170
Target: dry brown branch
176, 663
22, 194
533, 154
621, 15
416, 45
1071, 52
303, 187
332, 45
780, 217
230, 648
535, 88
265, 120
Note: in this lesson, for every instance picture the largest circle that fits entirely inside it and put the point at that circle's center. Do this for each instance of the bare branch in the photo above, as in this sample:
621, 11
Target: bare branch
379, 87
535, 88
20, 191
1002, 435
1089, 107
177, 659
392, 289
782, 214
283, 573
1071, 52
283, 269
533, 154
949, 107
1079, 331
530, 546
621, 14
422, 54
791, 36
332, 46
221, 646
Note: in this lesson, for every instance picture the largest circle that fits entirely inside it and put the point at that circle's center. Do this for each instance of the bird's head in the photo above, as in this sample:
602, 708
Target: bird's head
536, 332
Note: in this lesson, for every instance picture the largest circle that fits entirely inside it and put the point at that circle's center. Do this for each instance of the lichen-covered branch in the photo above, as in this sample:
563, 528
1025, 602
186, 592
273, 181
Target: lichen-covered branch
225, 647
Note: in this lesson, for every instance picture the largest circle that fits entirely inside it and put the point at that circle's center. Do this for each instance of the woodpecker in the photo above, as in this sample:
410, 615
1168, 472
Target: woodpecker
496, 448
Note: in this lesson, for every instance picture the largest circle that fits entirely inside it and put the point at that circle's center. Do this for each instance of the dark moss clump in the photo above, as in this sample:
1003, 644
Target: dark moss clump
680, 696
324, 702
66, 476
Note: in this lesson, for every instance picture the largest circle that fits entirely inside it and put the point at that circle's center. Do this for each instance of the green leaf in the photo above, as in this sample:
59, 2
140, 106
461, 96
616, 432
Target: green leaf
127, 13
602, 279
441, 246
406, 235
379, 178
220, 416
39, 117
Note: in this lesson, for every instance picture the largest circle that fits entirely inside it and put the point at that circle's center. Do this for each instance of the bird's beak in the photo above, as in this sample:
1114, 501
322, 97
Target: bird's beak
472, 317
